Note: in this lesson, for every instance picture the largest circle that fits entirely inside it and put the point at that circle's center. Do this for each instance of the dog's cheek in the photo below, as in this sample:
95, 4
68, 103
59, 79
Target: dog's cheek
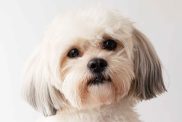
74, 86
122, 75
82, 90
121, 88
68, 89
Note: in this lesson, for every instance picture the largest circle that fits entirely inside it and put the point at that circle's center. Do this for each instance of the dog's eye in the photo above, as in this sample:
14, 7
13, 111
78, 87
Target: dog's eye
109, 44
73, 53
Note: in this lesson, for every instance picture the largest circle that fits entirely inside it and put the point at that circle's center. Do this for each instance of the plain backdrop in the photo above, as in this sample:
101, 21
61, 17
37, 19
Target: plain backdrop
22, 23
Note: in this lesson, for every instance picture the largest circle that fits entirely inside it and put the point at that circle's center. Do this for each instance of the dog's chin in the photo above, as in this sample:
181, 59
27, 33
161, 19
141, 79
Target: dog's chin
101, 91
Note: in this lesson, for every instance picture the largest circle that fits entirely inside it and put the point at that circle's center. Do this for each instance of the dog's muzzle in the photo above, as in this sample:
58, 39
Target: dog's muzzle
97, 67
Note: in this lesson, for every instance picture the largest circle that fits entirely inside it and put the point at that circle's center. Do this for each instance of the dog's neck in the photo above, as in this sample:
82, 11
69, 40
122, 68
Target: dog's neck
120, 112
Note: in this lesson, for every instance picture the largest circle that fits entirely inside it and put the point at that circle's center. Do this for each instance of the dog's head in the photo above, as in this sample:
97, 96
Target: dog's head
89, 59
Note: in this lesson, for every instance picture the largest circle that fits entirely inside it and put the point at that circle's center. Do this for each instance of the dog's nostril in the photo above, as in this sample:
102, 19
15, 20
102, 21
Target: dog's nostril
103, 64
93, 65
97, 65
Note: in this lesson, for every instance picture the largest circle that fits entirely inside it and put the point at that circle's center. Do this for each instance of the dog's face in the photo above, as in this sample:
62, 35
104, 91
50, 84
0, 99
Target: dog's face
89, 59
96, 71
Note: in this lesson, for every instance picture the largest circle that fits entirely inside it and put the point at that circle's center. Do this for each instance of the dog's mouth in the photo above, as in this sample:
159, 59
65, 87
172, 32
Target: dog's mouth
99, 79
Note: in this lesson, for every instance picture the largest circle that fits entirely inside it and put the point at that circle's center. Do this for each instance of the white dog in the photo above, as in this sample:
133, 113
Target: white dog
92, 66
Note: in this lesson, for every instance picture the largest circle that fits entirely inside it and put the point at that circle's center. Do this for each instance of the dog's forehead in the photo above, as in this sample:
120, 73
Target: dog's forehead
75, 26
90, 25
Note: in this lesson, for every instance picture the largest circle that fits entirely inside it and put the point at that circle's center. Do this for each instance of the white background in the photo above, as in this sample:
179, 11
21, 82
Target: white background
22, 23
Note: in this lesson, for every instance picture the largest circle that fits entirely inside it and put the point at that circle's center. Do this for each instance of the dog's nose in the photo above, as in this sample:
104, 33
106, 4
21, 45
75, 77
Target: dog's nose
97, 65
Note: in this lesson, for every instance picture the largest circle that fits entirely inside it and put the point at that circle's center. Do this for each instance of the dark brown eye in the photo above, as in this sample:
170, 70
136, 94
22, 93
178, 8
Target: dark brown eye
109, 44
73, 53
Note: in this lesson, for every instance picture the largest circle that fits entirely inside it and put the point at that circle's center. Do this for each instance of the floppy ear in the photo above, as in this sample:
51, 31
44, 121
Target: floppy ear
148, 80
37, 88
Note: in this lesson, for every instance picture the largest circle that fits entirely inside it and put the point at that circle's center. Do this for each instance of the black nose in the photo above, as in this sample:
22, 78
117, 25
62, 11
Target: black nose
97, 65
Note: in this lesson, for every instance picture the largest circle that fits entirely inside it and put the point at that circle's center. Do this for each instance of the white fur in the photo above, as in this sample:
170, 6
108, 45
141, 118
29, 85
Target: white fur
58, 85
120, 112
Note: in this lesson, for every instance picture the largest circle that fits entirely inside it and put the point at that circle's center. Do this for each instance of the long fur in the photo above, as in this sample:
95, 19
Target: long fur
56, 85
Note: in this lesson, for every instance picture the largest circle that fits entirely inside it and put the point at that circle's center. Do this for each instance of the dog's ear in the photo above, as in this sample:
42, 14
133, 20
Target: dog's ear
37, 88
148, 81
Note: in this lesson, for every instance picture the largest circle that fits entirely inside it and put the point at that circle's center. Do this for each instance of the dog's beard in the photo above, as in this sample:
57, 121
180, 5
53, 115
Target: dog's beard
85, 90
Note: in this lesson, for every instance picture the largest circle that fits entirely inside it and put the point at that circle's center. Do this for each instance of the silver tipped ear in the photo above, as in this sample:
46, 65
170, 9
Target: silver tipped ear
37, 89
148, 80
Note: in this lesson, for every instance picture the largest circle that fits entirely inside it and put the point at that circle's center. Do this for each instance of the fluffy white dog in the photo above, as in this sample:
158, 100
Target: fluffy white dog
92, 66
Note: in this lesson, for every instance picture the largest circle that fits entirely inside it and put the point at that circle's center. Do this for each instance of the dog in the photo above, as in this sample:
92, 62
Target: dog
93, 65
